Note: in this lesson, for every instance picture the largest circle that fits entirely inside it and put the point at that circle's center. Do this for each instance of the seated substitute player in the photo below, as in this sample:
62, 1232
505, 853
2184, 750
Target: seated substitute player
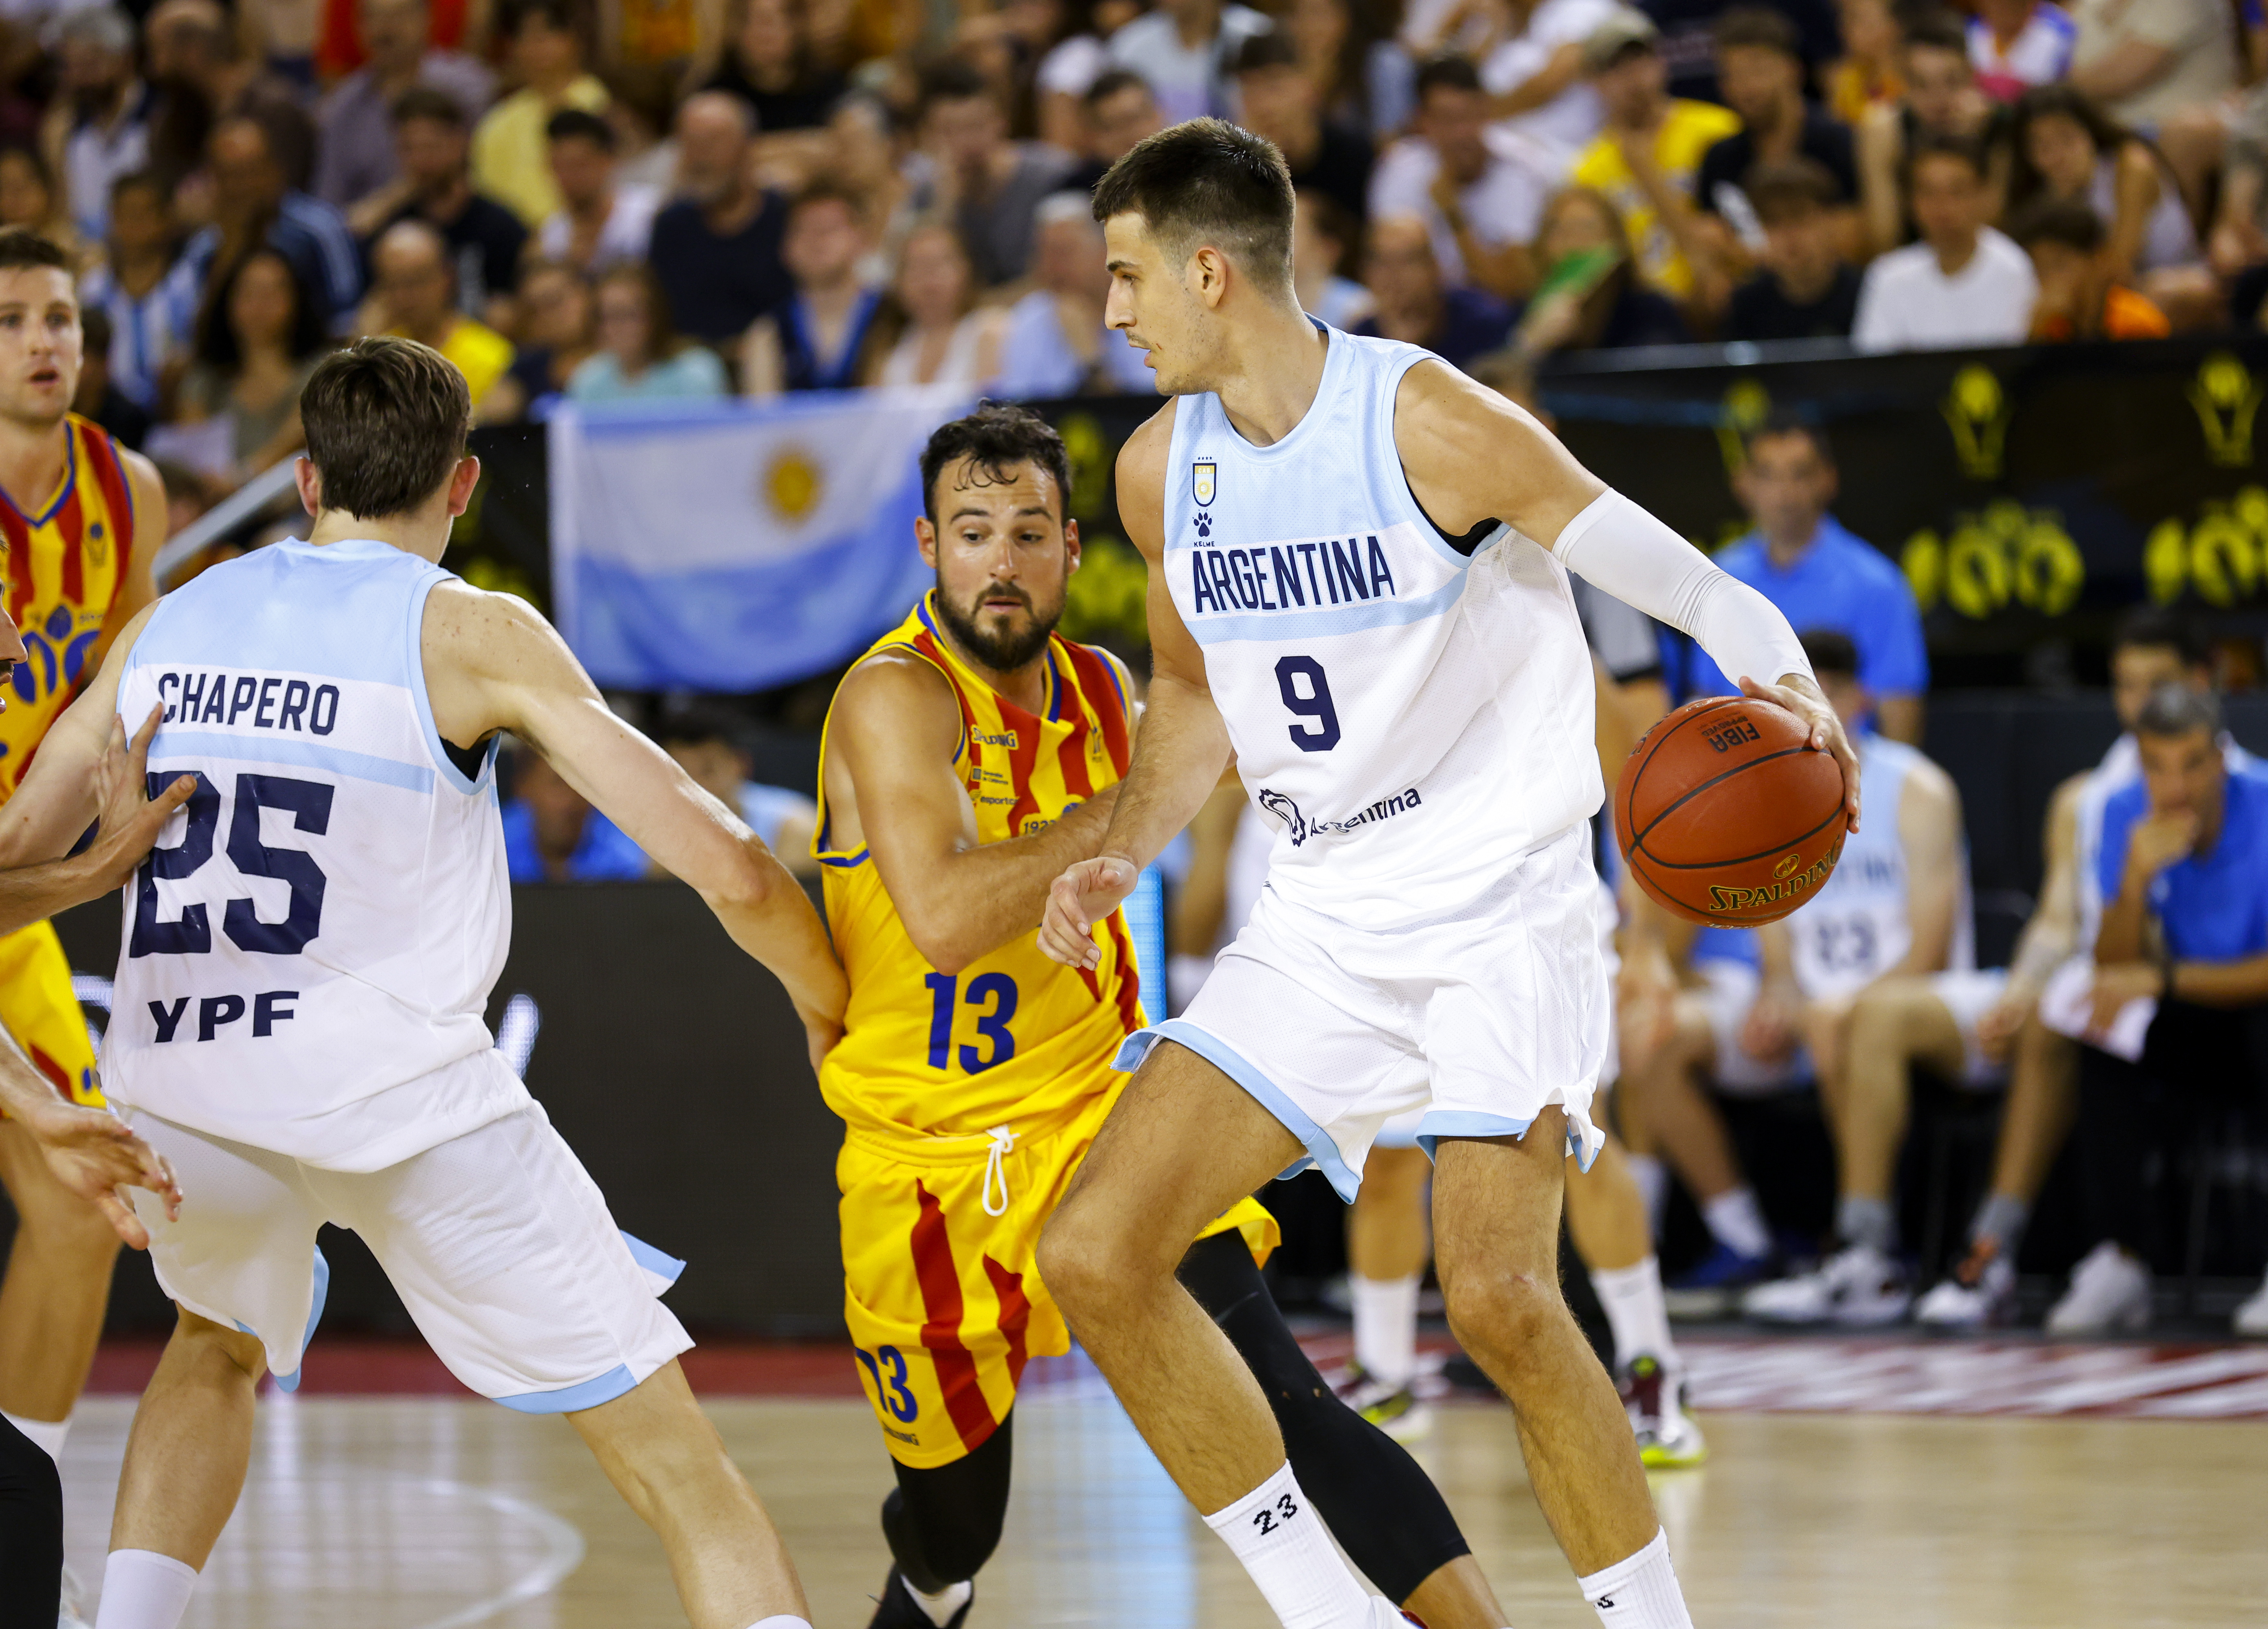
1358, 566
968, 756
1884, 965
299, 1033
2048, 1003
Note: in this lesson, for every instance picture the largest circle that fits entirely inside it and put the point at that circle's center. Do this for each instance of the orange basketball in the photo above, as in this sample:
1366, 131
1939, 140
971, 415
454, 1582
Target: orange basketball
1725, 813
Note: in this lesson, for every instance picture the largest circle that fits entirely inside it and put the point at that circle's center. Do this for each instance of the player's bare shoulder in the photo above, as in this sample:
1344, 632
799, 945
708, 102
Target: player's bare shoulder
1473, 455
895, 699
483, 634
1142, 482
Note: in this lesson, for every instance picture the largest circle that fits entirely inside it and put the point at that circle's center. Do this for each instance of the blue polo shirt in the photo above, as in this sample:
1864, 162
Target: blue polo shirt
605, 854
1842, 582
2214, 906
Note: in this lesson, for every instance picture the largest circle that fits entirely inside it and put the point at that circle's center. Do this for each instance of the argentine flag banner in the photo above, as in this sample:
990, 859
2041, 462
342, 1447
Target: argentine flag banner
734, 545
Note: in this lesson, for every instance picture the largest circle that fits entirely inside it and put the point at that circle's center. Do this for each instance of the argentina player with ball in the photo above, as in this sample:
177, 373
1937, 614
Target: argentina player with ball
1359, 583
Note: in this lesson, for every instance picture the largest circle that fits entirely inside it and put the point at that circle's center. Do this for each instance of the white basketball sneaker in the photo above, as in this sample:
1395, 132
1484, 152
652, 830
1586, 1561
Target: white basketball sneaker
1980, 1295
2109, 1291
1857, 1285
2252, 1317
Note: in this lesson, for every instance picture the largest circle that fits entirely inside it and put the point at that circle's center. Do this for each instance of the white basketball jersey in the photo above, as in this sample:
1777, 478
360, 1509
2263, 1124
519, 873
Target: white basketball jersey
1858, 925
1411, 718
323, 920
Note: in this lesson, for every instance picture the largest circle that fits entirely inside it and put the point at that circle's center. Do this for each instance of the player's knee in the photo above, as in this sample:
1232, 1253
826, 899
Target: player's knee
1502, 1309
1086, 1262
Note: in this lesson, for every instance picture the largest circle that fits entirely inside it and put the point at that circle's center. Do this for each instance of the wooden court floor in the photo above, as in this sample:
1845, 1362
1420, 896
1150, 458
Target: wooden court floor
435, 1512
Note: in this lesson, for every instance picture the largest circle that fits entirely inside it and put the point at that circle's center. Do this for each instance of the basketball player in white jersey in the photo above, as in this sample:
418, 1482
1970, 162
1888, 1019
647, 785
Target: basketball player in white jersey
298, 1022
2046, 1009
1357, 584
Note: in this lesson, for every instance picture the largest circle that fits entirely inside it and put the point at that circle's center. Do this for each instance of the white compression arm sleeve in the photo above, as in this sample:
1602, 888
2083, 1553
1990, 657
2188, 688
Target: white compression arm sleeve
1621, 548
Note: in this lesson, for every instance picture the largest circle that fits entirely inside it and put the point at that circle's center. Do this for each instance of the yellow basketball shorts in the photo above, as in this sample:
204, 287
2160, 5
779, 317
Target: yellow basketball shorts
39, 1009
941, 1289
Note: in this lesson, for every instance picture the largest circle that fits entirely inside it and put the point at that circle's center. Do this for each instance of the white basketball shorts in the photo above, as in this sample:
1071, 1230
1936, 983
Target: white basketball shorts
1482, 1018
497, 1241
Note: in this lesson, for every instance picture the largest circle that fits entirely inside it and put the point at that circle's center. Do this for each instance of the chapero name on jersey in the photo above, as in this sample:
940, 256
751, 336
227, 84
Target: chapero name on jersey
273, 701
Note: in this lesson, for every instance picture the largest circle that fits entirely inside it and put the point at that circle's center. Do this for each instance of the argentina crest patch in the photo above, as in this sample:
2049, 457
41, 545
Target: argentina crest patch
1201, 481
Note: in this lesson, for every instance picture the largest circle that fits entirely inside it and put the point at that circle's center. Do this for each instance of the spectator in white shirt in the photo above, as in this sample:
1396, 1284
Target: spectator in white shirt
102, 110
1184, 49
2017, 44
1535, 80
599, 223
1056, 343
1963, 284
1480, 189
147, 287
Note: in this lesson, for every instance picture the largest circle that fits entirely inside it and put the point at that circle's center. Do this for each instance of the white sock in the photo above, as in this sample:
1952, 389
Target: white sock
48, 1433
1639, 1591
1632, 1298
1386, 1326
1281, 1539
1736, 1219
1653, 1179
782, 1621
142, 1589
939, 1607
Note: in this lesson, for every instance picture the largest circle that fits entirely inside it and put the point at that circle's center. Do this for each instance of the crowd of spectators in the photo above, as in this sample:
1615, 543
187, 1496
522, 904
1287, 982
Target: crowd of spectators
598, 200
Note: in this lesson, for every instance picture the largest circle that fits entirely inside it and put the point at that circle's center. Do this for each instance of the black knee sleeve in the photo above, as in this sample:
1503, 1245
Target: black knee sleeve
1383, 1509
944, 1523
31, 1533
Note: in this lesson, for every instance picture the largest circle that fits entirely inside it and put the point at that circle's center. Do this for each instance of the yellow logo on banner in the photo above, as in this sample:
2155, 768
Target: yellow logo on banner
2005, 554
2225, 397
1977, 413
1747, 405
793, 484
2224, 557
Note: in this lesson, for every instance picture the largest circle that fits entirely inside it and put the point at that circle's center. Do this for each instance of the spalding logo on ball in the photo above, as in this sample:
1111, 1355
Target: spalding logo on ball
1728, 815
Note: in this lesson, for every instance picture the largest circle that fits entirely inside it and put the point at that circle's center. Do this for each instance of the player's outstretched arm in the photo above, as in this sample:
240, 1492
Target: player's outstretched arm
894, 733
492, 663
1183, 746
88, 772
1472, 456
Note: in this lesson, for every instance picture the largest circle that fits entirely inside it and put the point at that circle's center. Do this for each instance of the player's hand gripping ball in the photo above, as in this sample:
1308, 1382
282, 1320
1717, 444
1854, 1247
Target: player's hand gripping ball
1728, 815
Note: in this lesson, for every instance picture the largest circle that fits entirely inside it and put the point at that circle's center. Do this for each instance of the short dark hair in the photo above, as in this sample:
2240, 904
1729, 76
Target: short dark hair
142, 180
1936, 146
1938, 31
1272, 48
1759, 27
386, 421
578, 124
2154, 627
563, 16
1206, 179
1830, 650
1784, 188
996, 437
430, 104
952, 80
1449, 72
2176, 711
1785, 422
1108, 85
2071, 222
827, 189
20, 247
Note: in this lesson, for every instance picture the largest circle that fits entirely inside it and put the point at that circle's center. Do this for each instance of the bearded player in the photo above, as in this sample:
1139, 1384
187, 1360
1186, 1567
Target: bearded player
968, 757
81, 518
1359, 564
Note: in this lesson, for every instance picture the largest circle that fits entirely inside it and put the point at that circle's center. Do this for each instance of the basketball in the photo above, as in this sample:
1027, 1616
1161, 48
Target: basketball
1728, 815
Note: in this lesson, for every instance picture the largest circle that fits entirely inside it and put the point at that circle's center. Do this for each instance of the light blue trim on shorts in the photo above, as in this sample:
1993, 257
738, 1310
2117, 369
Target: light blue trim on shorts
291, 1382
1321, 1151
568, 1399
659, 1263
1439, 1123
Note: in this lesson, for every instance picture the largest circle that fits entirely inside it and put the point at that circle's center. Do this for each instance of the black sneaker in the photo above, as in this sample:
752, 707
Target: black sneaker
896, 1609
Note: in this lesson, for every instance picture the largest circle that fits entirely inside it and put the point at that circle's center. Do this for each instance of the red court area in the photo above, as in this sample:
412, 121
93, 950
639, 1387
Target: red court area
1877, 1375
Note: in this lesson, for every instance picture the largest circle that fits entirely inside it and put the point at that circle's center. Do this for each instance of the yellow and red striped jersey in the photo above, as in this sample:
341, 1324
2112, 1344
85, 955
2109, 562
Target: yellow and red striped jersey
1013, 1038
66, 565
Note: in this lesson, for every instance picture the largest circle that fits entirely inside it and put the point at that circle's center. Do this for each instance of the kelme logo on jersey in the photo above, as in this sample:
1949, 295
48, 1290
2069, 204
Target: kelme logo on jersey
1302, 829
1289, 577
